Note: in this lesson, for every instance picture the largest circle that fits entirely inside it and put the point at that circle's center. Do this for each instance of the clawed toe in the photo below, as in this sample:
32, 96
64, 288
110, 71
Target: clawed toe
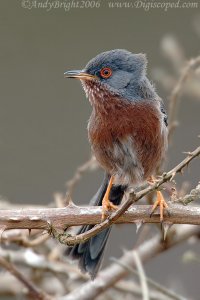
151, 180
160, 201
107, 206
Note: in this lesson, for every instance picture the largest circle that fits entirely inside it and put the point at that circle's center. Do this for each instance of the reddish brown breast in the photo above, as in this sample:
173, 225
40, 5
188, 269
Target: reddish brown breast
119, 120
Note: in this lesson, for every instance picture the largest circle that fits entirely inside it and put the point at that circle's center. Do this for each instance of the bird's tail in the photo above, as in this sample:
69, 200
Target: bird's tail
90, 253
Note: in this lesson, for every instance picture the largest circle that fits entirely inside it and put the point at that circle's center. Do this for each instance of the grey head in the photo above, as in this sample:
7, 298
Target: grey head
118, 72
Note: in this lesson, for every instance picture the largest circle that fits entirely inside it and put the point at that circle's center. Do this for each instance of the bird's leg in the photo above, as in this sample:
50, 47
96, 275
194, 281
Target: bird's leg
160, 201
152, 180
106, 203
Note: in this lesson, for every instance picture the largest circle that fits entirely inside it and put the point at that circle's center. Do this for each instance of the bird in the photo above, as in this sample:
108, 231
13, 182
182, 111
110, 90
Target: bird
128, 133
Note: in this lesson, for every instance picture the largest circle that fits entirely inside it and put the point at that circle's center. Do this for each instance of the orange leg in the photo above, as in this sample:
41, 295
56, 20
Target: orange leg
151, 180
106, 204
160, 201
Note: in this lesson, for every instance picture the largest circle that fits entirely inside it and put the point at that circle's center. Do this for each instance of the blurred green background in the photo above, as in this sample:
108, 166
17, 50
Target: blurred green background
43, 117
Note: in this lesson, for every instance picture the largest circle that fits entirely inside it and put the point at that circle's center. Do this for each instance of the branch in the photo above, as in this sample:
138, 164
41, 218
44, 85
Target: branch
33, 290
89, 165
158, 287
33, 260
130, 288
21, 239
142, 276
112, 274
192, 196
133, 197
174, 98
61, 218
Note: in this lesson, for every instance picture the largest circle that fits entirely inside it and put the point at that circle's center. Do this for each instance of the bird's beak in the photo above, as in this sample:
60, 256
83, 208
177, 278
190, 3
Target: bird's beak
79, 74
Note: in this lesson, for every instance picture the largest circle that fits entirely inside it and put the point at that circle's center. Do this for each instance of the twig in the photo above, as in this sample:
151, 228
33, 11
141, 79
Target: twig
130, 287
192, 196
151, 282
134, 197
34, 292
60, 218
91, 164
23, 241
142, 276
33, 260
112, 274
173, 102
173, 52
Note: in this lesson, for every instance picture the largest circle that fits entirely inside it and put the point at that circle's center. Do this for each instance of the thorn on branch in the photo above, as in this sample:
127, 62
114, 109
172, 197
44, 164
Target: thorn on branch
2, 229
165, 227
138, 224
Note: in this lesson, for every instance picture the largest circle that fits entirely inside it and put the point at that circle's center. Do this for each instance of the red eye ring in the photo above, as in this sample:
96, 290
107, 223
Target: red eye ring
106, 72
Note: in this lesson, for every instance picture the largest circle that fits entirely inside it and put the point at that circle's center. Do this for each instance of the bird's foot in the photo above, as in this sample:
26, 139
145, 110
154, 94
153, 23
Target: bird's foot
107, 206
151, 180
160, 201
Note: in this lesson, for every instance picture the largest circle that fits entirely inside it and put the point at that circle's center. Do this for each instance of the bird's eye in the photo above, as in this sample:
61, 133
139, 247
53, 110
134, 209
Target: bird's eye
106, 72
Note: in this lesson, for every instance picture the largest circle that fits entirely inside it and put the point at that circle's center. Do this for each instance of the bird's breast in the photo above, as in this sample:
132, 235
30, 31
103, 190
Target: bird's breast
128, 137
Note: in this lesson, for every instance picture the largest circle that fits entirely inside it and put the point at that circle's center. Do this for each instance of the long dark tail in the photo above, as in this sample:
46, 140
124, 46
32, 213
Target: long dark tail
90, 253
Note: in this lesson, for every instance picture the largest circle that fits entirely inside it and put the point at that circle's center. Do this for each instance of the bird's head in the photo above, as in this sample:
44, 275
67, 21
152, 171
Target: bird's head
116, 71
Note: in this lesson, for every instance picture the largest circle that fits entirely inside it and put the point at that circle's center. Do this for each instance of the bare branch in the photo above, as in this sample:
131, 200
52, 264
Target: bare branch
32, 259
91, 164
134, 197
112, 274
192, 196
34, 292
61, 218
132, 288
173, 103
142, 276
158, 287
